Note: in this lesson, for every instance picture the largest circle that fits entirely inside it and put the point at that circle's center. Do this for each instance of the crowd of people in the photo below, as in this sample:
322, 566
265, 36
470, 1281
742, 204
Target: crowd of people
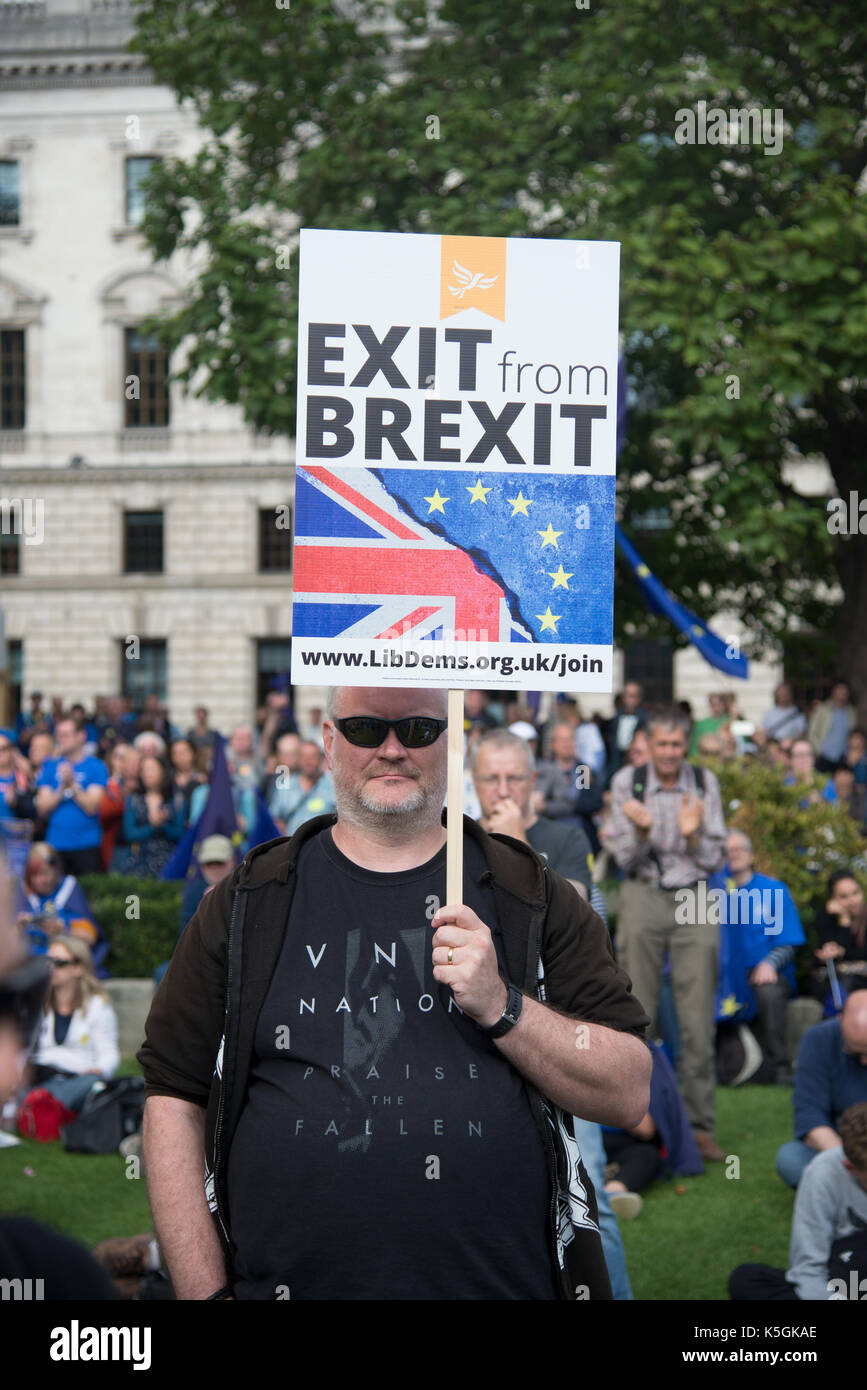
622, 808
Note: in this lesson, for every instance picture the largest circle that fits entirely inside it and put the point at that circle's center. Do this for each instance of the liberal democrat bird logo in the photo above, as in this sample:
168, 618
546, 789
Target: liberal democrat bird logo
469, 281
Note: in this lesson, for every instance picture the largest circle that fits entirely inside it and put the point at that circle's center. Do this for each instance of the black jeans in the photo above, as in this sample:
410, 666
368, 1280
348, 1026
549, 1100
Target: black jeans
80, 861
750, 1283
638, 1160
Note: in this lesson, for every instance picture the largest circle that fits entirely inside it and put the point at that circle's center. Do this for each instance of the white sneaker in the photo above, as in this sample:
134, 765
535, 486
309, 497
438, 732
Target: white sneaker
625, 1205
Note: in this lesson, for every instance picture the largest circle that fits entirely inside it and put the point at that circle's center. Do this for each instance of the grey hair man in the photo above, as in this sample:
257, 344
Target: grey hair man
382, 1052
504, 775
667, 837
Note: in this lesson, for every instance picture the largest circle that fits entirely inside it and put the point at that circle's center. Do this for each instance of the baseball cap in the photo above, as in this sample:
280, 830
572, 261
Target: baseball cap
216, 849
523, 730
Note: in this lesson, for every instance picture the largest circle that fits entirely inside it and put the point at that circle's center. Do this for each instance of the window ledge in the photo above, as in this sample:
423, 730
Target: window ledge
17, 233
145, 437
126, 230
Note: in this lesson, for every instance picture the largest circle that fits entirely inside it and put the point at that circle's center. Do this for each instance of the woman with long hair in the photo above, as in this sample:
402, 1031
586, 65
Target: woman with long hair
153, 820
186, 772
77, 1041
842, 932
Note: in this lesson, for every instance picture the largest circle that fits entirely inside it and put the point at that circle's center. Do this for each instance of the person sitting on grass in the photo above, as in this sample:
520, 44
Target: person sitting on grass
761, 928
76, 1045
49, 904
660, 1144
842, 933
828, 1247
830, 1075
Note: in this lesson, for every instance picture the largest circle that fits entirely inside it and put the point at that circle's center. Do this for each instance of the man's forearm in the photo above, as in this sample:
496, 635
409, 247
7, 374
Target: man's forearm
48, 800
591, 1071
173, 1136
822, 1137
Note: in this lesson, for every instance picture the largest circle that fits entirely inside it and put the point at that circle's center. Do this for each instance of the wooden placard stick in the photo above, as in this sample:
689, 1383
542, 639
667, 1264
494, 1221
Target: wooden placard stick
455, 798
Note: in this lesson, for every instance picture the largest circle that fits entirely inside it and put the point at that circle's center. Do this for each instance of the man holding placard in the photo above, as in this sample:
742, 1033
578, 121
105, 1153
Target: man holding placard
389, 1117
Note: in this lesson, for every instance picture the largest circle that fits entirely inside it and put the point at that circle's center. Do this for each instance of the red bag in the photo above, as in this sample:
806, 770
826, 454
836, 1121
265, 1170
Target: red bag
42, 1115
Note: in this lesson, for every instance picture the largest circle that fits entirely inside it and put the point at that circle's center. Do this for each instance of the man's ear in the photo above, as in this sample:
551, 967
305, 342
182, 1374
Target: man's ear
327, 739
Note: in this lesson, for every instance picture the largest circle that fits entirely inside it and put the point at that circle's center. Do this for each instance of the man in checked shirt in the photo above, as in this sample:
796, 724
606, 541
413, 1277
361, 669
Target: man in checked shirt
665, 837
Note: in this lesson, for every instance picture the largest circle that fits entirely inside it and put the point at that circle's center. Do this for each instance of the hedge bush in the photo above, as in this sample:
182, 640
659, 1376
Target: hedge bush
802, 845
140, 917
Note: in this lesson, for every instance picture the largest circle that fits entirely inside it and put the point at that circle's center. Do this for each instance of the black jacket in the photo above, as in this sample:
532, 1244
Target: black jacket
200, 1030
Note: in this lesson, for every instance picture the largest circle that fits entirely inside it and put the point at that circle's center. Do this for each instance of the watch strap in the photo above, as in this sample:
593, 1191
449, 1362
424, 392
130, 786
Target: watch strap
510, 1014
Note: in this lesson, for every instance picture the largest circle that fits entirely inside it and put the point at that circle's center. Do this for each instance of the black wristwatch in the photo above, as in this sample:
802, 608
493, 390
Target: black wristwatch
510, 1015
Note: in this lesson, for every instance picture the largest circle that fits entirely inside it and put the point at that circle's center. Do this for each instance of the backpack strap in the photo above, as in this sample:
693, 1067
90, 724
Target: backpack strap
639, 780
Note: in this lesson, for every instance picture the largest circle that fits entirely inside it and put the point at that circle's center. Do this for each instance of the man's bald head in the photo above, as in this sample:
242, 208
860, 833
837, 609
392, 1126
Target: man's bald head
341, 697
853, 1024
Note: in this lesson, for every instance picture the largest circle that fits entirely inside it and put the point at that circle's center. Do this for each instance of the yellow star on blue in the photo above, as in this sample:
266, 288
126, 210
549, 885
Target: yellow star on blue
548, 619
560, 577
478, 493
519, 504
549, 536
436, 503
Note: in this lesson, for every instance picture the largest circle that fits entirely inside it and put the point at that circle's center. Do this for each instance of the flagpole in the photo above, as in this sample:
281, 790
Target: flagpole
455, 816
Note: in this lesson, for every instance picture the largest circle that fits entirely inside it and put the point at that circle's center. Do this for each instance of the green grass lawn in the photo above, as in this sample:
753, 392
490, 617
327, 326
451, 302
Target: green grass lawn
682, 1246
692, 1232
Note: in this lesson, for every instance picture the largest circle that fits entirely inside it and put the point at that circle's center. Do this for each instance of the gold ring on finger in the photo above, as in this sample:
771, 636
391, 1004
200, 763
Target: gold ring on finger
451, 955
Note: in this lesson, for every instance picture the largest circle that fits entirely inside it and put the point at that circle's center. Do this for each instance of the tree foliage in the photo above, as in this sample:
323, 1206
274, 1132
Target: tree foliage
797, 839
560, 122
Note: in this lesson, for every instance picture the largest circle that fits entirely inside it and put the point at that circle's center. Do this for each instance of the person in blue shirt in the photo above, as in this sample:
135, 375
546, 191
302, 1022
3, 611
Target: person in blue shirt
830, 1075
760, 930
49, 903
69, 793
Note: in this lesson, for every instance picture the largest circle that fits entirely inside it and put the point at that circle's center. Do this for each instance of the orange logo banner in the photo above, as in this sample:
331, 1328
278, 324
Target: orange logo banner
473, 275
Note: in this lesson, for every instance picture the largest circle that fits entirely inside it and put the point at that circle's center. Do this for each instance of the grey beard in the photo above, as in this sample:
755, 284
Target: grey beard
415, 813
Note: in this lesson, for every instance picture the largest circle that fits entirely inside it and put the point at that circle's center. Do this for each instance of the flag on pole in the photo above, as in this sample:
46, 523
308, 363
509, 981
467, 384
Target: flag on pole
725, 656
218, 818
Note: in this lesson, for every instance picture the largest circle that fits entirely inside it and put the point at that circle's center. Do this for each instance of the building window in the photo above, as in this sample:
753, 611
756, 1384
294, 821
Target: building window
143, 542
273, 664
10, 549
275, 540
146, 382
12, 379
144, 674
137, 169
651, 663
10, 193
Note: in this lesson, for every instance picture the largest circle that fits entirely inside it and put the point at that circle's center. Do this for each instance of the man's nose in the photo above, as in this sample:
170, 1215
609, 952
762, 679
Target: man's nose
392, 747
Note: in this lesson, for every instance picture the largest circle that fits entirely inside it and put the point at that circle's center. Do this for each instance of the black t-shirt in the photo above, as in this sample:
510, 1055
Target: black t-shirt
60, 1268
386, 1149
566, 848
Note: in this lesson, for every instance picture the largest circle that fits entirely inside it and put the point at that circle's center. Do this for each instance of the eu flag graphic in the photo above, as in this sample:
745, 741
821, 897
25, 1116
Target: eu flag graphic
420, 554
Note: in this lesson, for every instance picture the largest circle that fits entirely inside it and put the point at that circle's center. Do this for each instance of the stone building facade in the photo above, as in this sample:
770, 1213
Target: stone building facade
115, 480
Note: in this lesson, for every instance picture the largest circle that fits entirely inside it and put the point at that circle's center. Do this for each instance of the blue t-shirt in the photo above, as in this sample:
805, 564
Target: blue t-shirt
827, 1080
70, 828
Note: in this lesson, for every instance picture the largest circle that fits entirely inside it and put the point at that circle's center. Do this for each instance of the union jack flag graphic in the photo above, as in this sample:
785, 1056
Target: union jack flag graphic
364, 569
422, 555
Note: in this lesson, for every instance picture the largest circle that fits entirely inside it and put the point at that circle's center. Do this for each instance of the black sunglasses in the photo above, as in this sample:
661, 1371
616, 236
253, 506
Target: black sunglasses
418, 731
